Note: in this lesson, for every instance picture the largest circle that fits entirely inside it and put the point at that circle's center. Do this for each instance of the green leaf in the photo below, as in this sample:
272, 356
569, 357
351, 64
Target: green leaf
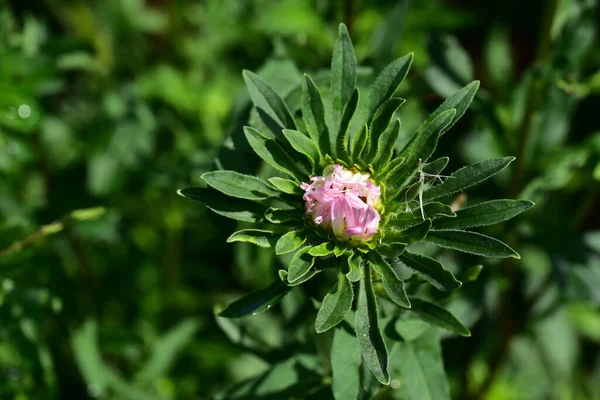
345, 365
431, 270
283, 274
258, 237
358, 142
430, 210
278, 216
239, 185
273, 154
420, 147
380, 122
393, 285
433, 169
300, 265
436, 315
239, 209
336, 304
265, 98
459, 101
392, 250
303, 145
285, 185
482, 214
355, 265
386, 145
313, 114
342, 139
410, 235
467, 176
343, 74
421, 367
290, 242
257, 301
387, 82
370, 340
322, 250
471, 242
165, 350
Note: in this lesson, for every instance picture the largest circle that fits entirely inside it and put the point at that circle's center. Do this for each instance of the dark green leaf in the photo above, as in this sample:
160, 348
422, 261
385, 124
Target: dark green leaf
387, 82
345, 365
239, 185
471, 242
342, 139
303, 145
482, 214
393, 285
290, 242
430, 210
343, 74
273, 154
391, 250
257, 301
300, 265
459, 101
467, 177
409, 235
432, 170
358, 142
255, 236
386, 145
431, 270
370, 340
285, 185
436, 315
336, 304
264, 97
380, 123
239, 209
313, 114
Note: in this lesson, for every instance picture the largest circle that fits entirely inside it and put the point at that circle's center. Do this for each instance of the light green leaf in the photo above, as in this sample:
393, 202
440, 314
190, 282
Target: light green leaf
431, 270
258, 237
471, 242
380, 122
370, 340
393, 285
322, 250
300, 265
285, 185
345, 365
358, 142
436, 315
385, 145
273, 154
290, 242
278, 216
387, 82
283, 274
313, 114
303, 145
336, 304
239, 209
265, 98
239, 185
342, 139
459, 101
355, 264
482, 214
467, 177
343, 75
257, 301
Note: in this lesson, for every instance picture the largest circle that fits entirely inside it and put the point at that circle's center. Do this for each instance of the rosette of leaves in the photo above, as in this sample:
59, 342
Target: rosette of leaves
414, 203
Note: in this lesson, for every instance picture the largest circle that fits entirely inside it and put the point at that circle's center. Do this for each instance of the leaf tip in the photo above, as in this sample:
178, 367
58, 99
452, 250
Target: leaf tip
342, 29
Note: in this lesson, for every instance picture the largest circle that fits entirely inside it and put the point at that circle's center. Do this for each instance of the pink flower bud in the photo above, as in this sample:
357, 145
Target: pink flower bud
343, 202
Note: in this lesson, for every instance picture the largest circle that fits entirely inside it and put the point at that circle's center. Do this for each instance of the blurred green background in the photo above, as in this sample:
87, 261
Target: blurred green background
108, 279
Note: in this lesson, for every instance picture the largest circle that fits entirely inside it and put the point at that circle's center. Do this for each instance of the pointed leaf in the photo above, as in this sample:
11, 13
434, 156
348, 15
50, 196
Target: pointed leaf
393, 285
313, 114
386, 145
239, 209
342, 139
433, 169
303, 145
431, 210
387, 82
370, 340
392, 250
471, 242
257, 301
258, 237
290, 242
436, 315
409, 235
358, 142
467, 177
273, 154
239, 185
459, 101
285, 185
283, 276
431, 270
482, 214
300, 265
336, 304
381, 121
266, 98
345, 365
355, 265
343, 73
